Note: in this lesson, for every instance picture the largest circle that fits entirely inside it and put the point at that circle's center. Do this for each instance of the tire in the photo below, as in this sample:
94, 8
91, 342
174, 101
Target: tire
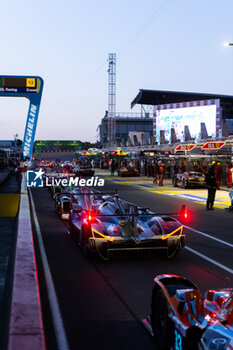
161, 324
173, 253
186, 184
72, 230
84, 236
175, 183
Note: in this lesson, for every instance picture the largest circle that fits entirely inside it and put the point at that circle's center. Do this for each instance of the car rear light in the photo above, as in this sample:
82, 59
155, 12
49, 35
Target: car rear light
184, 212
90, 217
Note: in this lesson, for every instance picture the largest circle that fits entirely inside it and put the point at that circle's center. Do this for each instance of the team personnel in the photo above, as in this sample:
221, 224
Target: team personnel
161, 175
113, 167
212, 186
218, 173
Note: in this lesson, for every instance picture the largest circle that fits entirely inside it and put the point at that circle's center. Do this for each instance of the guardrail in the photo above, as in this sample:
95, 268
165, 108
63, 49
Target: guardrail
26, 330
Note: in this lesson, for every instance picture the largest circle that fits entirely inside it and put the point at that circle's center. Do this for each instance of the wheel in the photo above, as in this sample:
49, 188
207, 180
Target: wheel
186, 184
161, 324
172, 253
84, 236
72, 230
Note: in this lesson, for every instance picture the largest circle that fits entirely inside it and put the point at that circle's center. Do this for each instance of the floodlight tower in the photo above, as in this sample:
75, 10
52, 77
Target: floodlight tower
111, 98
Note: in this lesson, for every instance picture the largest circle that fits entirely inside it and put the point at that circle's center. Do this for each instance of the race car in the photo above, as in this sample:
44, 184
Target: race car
188, 179
62, 205
83, 170
181, 319
106, 224
128, 171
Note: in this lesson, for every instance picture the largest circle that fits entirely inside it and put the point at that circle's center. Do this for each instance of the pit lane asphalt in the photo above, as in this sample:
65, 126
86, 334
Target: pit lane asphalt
102, 303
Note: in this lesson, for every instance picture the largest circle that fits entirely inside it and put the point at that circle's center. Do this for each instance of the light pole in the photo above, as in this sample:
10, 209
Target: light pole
228, 44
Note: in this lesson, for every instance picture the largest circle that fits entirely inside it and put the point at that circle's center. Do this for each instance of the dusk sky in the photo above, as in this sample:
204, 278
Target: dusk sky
159, 44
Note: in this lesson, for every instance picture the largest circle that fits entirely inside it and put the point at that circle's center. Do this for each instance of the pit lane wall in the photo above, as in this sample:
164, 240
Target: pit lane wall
26, 330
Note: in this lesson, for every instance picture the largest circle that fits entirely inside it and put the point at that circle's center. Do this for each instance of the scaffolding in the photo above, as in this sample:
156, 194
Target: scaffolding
111, 98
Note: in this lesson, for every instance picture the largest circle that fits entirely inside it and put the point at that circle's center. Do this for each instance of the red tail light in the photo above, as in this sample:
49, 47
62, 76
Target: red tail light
90, 217
184, 212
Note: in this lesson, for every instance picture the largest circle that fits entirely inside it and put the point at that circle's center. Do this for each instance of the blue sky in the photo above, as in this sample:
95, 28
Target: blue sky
159, 44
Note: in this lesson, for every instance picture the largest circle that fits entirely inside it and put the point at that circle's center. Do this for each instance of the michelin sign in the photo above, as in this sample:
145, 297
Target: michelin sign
30, 131
31, 88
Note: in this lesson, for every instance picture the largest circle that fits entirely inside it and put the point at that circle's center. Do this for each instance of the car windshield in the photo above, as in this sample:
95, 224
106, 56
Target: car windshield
154, 226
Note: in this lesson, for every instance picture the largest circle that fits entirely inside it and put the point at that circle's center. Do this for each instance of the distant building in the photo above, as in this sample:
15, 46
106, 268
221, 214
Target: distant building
126, 123
7, 144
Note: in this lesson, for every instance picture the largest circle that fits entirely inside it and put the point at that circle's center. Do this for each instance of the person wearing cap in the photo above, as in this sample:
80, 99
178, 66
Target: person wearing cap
210, 180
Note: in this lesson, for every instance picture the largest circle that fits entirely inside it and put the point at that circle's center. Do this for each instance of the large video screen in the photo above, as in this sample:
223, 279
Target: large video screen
177, 118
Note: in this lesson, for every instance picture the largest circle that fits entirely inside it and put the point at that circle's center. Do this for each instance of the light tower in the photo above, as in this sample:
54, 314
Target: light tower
111, 98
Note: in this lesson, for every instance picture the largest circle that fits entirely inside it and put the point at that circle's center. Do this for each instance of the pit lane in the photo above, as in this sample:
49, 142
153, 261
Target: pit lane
102, 303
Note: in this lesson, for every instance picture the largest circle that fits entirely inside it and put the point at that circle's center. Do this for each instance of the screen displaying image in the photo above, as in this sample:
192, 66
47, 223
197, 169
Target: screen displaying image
191, 116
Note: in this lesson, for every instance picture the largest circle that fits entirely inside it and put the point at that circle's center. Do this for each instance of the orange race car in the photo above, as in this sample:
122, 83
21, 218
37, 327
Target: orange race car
181, 319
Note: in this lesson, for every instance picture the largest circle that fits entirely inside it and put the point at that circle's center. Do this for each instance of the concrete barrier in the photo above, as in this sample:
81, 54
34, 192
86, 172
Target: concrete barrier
26, 331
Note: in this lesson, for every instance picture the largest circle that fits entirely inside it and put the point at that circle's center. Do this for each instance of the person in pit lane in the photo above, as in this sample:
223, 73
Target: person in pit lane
161, 175
211, 184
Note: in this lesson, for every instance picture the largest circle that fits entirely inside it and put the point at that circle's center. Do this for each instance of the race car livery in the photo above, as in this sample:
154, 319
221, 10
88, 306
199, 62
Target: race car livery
128, 171
189, 179
107, 224
181, 319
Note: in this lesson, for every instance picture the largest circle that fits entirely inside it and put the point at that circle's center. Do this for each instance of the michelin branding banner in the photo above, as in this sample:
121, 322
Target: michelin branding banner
30, 130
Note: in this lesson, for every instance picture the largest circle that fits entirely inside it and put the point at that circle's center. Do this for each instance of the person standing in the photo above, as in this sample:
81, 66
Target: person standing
218, 173
182, 168
229, 175
175, 172
212, 186
138, 166
112, 167
156, 172
161, 175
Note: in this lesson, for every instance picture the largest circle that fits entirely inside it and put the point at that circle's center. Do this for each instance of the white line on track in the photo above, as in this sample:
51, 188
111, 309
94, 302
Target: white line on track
55, 310
209, 260
208, 236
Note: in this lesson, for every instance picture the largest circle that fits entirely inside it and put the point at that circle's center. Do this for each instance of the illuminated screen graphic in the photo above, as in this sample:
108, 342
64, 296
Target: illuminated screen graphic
177, 118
